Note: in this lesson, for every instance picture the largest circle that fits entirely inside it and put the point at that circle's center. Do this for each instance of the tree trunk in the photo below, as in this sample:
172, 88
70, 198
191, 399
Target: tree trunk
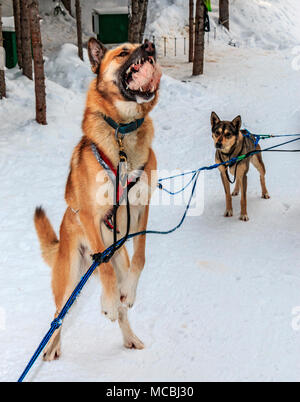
199, 39
2, 60
39, 74
17, 17
68, 5
144, 20
135, 26
224, 13
26, 40
191, 32
79, 29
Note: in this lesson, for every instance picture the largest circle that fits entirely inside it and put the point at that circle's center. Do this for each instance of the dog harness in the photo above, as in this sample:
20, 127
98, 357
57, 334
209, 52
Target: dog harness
122, 183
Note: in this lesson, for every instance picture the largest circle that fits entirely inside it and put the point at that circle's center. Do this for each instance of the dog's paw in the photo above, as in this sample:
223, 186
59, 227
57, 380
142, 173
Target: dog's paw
235, 194
244, 218
128, 290
110, 306
228, 213
133, 342
265, 196
52, 352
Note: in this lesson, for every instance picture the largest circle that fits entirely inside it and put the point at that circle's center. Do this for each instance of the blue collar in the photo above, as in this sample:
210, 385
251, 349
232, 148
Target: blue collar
124, 129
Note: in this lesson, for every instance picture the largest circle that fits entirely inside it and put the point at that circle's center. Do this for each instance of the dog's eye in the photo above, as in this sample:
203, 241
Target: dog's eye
123, 54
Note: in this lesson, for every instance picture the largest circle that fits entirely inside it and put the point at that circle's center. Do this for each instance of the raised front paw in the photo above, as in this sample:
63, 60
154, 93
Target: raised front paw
110, 306
128, 290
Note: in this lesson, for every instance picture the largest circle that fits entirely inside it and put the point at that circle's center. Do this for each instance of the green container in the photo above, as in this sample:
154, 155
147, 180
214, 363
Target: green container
10, 46
111, 26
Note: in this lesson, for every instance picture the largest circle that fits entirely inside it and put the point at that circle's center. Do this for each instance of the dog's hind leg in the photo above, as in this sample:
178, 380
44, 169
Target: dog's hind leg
131, 341
257, 161
66, 273
64, 280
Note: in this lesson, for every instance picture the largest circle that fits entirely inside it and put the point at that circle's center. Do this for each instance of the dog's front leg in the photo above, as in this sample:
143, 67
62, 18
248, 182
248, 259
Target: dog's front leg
110, 298
129, 286
243, 182
226, 184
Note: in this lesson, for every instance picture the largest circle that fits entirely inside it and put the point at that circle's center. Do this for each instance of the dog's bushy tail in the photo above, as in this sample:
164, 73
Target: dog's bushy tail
47, 237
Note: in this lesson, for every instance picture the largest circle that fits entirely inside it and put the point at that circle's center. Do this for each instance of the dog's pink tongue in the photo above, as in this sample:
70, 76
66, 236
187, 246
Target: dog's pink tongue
147, 78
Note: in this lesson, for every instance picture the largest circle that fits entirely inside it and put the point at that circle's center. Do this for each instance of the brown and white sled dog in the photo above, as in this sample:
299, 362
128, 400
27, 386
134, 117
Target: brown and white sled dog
230, 143
125, 90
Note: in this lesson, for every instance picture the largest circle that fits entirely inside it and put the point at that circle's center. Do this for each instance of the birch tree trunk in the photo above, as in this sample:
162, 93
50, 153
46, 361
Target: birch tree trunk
199, 39
79, 29
2, 62
26, 40
17, 18
39, 74
191, 32
224, 13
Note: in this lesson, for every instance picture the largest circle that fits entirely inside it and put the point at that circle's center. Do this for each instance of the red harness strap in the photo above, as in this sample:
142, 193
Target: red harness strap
107, 165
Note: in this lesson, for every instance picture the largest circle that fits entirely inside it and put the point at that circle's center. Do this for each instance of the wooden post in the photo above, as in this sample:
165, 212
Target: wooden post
79, 29
224, 13
2, 73
191, 32
26, 42
39, 74
17, 18
199, 39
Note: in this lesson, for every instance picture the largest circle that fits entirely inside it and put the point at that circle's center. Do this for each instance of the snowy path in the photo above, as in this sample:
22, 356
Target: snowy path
215, 298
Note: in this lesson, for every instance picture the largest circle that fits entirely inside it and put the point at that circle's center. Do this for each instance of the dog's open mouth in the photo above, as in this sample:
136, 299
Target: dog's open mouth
141, 79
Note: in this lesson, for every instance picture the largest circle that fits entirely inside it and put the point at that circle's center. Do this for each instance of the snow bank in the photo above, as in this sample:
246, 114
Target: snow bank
68, 70
268, 24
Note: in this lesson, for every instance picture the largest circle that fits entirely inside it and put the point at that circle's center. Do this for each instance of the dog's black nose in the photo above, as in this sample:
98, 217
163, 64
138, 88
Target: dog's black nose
219, 145
148, 46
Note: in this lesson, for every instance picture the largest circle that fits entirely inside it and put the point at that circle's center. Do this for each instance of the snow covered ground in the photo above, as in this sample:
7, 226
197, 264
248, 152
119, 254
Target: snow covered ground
215, 300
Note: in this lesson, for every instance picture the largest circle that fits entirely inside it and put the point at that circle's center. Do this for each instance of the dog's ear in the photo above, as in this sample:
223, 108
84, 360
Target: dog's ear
237, 123
214, 119
96, 53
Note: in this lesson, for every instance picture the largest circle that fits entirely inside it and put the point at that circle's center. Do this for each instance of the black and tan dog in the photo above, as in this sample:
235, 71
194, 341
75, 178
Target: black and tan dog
125, 91
230, 143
